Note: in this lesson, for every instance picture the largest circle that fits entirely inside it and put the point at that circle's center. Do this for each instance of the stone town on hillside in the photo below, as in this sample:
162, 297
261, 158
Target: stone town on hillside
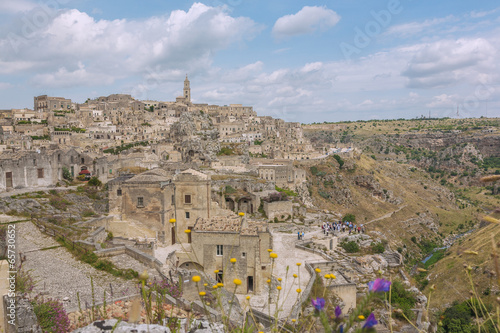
195, 184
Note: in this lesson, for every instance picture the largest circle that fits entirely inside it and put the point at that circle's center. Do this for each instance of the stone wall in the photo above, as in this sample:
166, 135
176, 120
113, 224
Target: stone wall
25, 320
279, 209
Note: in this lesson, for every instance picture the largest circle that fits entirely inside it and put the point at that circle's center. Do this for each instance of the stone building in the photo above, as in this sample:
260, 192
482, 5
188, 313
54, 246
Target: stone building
31, 169
214, 241
143, 205
45, 103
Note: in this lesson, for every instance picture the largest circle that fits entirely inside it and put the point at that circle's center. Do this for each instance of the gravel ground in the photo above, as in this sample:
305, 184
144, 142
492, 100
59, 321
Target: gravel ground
59, 275
288, 255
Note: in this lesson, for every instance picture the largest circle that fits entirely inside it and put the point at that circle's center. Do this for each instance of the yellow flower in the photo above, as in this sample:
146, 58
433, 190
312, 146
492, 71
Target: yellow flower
268, 281
220, 284
248, 298
202, 293
361, 317
196, 278
327, 276
187, 231
273, 255
269, 250
205, 284
278, 287
237, 282
279, 279
144, 276
241, 214
215, 287
298, 264
318, 270
171, 220
295, 275
332, 276
232, 260
293, 320
299, 290
216, 271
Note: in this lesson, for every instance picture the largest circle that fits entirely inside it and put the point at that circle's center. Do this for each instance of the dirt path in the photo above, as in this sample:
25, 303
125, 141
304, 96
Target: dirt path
386, 215
59, 275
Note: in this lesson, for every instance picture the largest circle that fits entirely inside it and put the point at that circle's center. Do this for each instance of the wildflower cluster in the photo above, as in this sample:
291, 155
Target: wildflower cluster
51, 315
339, 323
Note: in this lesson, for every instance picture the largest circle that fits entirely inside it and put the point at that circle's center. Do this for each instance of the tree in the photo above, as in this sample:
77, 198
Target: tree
339, 160
94, 181
66, 174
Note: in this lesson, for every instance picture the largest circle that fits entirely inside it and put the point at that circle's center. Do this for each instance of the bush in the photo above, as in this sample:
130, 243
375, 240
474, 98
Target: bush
66, 174
229, 189
94, 181
349, 218
378, 247
51, 315
402, 299
350, 247
339, 160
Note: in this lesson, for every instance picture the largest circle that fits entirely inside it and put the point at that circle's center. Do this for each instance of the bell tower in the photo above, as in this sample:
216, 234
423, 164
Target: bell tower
187, 90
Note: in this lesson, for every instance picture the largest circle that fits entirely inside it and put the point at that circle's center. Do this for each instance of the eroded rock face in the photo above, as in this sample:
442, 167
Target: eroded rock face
196, 136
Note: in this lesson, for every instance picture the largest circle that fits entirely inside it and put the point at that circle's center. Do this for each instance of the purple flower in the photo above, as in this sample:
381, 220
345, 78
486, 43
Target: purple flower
379, 285
370, 321
341, 329
338, 311
319, 303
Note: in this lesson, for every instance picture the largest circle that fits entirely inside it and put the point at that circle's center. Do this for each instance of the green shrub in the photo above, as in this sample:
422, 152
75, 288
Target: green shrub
402, 299
94, 181
229, 189
339, 160
378, 247
67, 174
350, 247
349, 218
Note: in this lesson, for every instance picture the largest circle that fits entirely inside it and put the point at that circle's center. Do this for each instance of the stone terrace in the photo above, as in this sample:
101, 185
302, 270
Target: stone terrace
59, 275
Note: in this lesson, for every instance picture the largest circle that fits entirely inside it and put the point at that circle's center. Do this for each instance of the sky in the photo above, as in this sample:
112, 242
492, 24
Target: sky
311, 61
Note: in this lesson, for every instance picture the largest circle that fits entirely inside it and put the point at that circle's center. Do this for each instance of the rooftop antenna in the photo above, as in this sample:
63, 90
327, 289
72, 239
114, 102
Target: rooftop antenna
458, 112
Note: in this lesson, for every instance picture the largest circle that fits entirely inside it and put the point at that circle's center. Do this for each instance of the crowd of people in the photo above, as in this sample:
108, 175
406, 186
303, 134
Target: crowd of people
342, 226
329, 228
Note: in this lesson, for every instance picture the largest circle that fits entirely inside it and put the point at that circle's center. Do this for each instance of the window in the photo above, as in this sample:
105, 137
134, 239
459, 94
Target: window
187, 215
34, 161
220, 249
187, 198
119, 192
140, 202
40, 173
243, 254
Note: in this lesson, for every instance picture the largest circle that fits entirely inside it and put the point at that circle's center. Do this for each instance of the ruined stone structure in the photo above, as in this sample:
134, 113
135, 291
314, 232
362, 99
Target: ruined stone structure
144, 204
218, 239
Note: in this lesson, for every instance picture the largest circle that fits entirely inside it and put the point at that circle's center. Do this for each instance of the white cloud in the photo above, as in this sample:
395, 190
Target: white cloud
447, 62
15, 6
443, 100
310, 67
306, 21
182, 40
414, 28
5, 85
